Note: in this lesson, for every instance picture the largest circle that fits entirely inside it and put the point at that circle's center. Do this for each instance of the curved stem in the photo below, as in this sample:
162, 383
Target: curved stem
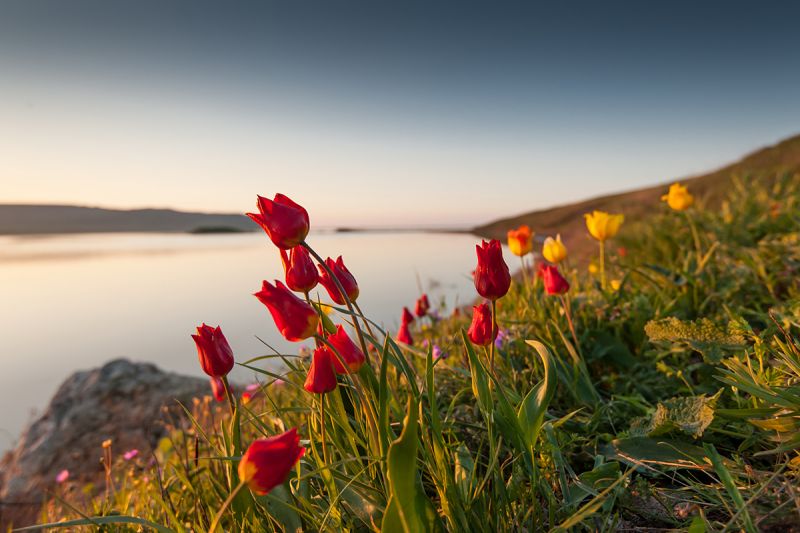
568, 312
603, 265
215, 524
696, 238
494, 334
229, 394
322, 428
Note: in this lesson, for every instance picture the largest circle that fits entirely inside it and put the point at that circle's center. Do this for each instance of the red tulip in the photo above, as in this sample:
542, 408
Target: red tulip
483, 330
295, 319
347, 350
267, 462
404, 335
422, 306
344, 276
492, 278
301, 274
285, 222
554, 282
218, 389
407, 317
213, 350
321, 376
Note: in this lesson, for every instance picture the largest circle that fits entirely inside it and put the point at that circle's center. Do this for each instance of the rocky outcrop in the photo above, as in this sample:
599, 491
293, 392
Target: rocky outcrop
122, 401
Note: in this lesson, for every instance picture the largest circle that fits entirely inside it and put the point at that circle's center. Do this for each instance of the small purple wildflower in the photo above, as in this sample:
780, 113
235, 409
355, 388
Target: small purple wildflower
130, 454
62, 476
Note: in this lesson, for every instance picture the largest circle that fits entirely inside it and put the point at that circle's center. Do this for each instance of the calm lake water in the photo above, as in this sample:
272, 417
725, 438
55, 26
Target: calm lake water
75, 302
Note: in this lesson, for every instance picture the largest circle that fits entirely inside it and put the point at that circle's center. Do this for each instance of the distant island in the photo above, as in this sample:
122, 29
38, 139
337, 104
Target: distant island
25, 219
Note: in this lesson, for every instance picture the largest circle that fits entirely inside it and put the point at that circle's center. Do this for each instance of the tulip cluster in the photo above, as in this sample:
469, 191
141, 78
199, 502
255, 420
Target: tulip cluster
267, 462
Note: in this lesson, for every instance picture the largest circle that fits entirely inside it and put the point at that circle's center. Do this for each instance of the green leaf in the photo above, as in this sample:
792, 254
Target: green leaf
534, 406
402, 512
99, 520
647, 453
730, 486
698, 525
480, 381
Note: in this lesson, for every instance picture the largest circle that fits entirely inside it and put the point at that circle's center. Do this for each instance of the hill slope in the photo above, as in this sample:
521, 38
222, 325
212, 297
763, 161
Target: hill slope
568, 219
19, 219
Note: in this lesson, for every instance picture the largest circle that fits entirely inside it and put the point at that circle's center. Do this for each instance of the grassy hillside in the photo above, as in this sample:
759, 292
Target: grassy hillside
636, 205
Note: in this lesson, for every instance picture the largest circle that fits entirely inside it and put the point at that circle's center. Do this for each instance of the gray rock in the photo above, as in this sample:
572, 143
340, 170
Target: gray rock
122, 401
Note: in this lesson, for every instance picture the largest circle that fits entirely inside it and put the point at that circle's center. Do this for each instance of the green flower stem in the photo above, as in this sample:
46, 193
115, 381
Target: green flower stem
603, 265
494, 332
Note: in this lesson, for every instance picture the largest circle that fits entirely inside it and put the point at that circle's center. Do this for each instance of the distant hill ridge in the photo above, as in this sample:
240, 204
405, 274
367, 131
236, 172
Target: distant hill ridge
636, 205
22, 219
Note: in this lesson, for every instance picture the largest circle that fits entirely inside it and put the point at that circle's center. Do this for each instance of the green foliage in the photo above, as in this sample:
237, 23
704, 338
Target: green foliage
674, 405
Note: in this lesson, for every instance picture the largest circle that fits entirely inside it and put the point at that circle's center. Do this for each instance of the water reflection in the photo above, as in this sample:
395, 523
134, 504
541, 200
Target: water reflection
74, 302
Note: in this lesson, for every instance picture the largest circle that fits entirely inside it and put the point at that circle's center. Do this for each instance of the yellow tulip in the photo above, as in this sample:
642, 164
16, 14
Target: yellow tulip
678, 197
520, 240
593, 269
615, 284
554, 250
602, 225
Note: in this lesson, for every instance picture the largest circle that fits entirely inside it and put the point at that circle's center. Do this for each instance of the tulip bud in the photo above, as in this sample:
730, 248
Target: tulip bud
404, 334
554, 282
603, 226
678, 197
407, 317
295, 319
492, 278
218, 389
285, 222
347, 350
483, 330
267, 462
213, 350
554, 250
520, 240
345, 278
422, 306
321, 377
301, 273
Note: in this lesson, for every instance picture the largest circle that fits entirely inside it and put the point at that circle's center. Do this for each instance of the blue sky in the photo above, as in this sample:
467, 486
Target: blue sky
379, 113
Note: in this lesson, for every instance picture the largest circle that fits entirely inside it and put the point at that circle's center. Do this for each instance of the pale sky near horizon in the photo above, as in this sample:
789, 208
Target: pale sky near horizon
375, 113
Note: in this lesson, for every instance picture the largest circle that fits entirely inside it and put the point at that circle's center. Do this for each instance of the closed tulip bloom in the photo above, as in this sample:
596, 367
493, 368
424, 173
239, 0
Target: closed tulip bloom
301, 273
407, 317
345, 278
296, 319
603, 226
347, 350
404, 334
218, 389
422, 306
482, 331
554, 282
520, 240
285, 222
554, 250
678, 197
213, 350
267, 462
492, 278
321, 377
